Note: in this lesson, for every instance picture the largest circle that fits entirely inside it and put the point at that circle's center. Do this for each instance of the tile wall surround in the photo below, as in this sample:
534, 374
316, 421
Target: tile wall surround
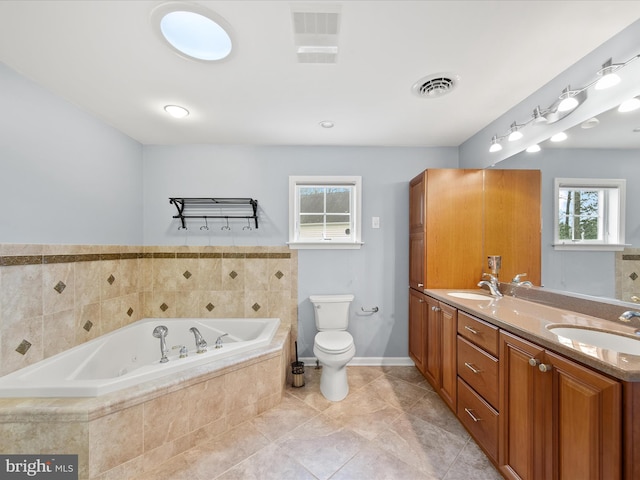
628, 274
53, 297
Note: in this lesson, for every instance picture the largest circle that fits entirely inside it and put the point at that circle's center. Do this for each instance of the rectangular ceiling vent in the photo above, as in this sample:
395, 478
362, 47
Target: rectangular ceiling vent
316, 29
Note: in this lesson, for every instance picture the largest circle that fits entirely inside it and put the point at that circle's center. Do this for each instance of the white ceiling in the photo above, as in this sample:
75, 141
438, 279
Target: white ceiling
105, 57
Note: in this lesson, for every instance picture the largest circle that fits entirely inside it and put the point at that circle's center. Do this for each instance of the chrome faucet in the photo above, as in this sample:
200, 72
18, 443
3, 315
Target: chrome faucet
494, 286
627, 316
516, 281
219, 340
201, 344
161, 332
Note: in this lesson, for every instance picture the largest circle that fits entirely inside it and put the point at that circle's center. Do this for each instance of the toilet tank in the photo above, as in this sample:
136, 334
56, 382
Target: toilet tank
331, 311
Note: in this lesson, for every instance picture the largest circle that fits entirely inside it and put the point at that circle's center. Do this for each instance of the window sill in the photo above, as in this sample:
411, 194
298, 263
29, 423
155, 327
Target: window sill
324, 245
591, 247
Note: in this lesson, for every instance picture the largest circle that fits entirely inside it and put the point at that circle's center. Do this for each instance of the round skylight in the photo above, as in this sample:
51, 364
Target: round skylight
193, 31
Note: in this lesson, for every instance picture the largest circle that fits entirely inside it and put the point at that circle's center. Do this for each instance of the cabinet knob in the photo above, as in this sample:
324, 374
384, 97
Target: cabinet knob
420, 300
534, 362
435, 309
544, 367
421, 284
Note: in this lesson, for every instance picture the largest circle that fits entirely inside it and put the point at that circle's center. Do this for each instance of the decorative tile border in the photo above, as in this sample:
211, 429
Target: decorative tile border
22, 260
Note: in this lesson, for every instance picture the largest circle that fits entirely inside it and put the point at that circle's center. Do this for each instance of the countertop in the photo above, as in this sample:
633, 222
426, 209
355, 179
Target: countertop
529, 320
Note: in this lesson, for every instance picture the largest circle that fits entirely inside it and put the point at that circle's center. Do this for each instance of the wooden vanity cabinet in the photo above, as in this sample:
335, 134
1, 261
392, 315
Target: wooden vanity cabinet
438, 349
558, 419
417, 328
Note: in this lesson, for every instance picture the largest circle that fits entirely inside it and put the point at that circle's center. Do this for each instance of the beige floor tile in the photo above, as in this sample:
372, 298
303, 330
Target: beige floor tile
291, 413
432, 409
322, 445
472, 463
358, 377
408, 374
270, 463
395, 391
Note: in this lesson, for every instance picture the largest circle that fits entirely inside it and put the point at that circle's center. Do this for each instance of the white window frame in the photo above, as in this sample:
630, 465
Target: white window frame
356, 211
612, 214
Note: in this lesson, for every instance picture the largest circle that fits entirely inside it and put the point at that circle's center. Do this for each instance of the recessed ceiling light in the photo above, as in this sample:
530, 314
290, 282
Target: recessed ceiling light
176, 111
559, 137
327, 124
193, 31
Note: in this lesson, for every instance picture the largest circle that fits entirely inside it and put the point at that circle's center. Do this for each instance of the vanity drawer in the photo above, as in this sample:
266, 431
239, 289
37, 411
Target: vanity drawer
478, 369
481, 333
480, 419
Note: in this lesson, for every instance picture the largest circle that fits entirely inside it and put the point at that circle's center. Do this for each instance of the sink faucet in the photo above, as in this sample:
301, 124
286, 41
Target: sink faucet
629, 315
161, 332
516, 281
201, 344
493, 284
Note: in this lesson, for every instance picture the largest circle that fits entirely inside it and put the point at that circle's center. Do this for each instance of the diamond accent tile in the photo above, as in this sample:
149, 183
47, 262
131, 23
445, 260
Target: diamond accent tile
130, 311
279, 274
111, 279
87, 326
164, 307
60, 286
210, 306
23, 347
256, 307
233, 274
187, 274
633, 276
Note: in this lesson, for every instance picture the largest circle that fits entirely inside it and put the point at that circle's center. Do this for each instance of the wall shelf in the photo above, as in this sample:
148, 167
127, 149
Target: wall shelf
215, 208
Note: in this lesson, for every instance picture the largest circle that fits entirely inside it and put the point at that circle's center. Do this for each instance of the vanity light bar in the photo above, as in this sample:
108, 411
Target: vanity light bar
566, 103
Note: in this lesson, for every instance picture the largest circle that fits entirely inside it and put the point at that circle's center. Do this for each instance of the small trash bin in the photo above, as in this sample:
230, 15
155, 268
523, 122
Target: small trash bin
297, 371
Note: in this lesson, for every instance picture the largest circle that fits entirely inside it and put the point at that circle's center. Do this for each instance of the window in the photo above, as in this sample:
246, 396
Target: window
589, 214
324, 212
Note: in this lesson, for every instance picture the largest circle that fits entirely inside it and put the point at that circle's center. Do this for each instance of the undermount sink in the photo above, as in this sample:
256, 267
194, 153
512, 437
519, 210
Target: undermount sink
469, 296
598, 338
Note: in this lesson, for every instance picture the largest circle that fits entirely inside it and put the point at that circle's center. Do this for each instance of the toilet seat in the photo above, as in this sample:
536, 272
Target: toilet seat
333, 342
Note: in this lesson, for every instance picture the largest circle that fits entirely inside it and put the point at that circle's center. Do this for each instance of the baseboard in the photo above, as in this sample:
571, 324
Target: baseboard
369, 361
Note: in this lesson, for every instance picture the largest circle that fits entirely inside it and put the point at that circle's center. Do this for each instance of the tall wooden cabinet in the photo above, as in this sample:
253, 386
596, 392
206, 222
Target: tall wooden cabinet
457, 217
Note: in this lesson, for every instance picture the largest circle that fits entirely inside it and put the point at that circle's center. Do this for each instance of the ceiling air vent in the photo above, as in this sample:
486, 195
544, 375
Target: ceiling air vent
435, 85
315, 29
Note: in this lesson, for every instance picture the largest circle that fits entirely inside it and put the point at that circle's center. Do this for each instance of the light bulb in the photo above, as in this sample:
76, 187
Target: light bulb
629, 105
533, 148
559, 137
495, 145
568, 101
515, 133
176, 111
609, 77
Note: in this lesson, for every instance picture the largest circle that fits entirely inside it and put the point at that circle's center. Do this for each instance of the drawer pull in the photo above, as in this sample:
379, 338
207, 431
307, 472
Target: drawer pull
472, 330
470, 413
472, 368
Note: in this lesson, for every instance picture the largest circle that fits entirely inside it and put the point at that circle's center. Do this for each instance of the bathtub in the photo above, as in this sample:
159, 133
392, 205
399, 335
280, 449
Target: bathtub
131, 355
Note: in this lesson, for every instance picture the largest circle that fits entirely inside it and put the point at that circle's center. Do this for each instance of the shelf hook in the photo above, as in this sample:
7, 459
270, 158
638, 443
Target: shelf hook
206, 225
226, 227
248, 227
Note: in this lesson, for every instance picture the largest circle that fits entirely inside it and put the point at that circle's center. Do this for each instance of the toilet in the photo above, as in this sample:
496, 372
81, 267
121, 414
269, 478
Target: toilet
333, 345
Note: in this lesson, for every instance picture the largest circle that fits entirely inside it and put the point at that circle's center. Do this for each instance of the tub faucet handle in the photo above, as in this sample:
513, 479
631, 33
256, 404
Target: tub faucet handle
184, 352
219, 340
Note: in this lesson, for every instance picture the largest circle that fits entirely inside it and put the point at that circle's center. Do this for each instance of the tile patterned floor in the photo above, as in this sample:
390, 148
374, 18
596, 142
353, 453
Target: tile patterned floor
391, 426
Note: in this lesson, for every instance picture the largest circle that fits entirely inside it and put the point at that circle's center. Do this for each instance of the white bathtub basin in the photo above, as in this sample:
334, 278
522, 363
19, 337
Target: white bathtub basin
469, 296
598, 338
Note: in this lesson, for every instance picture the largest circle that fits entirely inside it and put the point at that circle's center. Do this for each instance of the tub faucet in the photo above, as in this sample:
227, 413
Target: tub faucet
201, 344
161, 332
493, 285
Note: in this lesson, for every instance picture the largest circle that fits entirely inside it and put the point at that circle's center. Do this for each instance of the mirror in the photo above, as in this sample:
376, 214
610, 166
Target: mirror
607, 146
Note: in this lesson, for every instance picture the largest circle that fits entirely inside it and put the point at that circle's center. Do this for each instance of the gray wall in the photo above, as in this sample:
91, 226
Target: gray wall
377, 274
587, 272
65, 177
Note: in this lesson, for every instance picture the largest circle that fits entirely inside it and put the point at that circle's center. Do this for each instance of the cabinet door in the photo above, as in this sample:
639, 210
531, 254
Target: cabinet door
521, 410
417, 189
449, 327
417, 312
586, 423
416, 261
433, 336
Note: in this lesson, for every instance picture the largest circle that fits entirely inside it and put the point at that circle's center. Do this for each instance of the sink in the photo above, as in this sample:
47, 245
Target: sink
598, 338
470, 296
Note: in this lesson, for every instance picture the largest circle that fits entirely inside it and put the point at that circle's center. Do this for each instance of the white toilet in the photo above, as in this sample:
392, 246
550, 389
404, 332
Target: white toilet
333, 345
